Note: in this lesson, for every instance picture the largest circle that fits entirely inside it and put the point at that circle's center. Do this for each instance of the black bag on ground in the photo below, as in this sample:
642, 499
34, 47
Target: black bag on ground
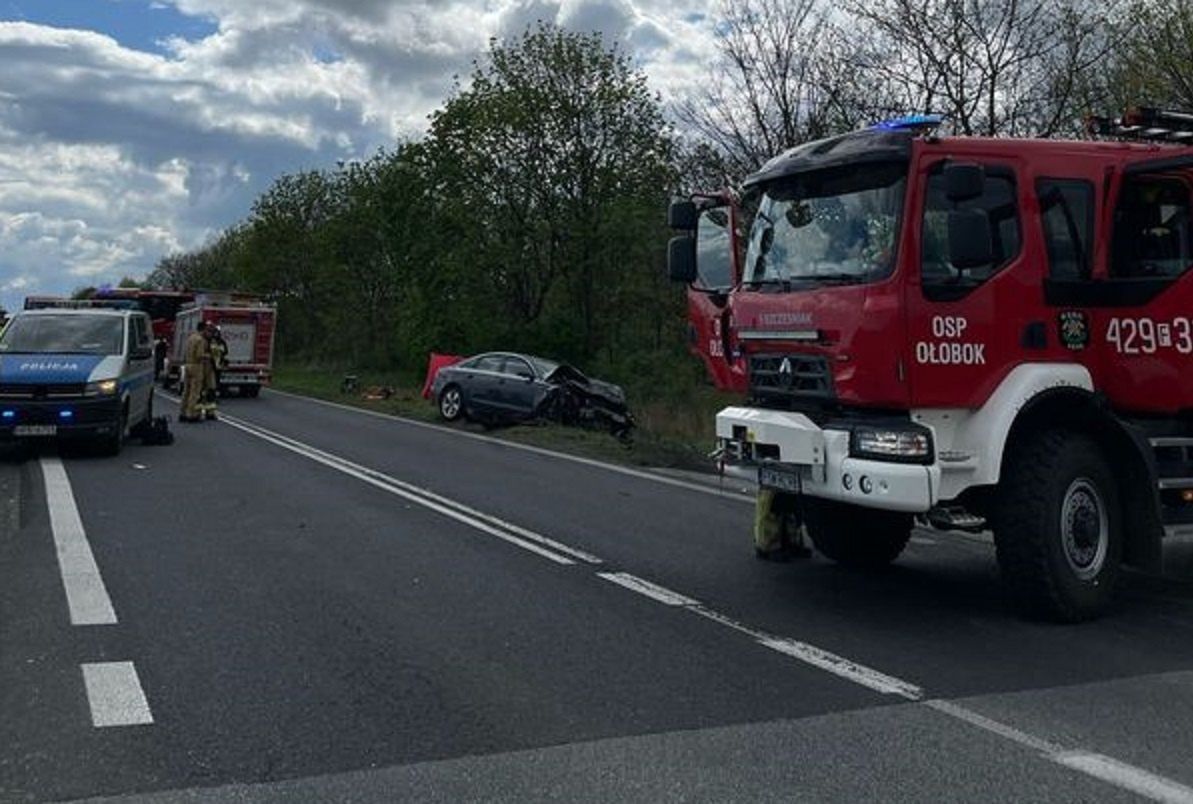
156, 433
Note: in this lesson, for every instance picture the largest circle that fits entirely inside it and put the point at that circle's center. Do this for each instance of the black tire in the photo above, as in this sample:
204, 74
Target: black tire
451, 403
1058, 527
856, 536
111, 445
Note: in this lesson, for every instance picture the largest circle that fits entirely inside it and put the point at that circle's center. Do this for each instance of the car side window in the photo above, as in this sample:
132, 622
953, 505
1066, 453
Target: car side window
940, 278
1067, 214
1152, 233
489, 363
518, 367
141, 331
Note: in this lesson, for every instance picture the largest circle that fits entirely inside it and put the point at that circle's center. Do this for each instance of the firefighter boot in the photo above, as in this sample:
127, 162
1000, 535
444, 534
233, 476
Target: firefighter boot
778, 529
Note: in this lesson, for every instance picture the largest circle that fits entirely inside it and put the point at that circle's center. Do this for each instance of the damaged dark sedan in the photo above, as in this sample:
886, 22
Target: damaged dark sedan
503, 388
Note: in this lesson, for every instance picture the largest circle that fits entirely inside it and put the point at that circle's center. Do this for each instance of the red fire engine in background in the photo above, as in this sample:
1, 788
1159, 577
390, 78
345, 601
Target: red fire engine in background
977, 332
247, 324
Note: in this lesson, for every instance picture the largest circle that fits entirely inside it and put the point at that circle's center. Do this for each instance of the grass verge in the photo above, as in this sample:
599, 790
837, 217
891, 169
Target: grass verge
674, 432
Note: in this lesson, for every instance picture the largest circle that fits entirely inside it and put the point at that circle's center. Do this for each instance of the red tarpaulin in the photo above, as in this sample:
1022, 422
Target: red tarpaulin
437, 362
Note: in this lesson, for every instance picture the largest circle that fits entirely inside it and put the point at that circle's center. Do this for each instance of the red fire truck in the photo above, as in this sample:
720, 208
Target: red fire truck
978, 332
247, 324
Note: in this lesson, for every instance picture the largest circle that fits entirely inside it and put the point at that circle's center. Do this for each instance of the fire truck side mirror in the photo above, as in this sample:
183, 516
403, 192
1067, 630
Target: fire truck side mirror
970, 242
963, 181
681, 259
683, 215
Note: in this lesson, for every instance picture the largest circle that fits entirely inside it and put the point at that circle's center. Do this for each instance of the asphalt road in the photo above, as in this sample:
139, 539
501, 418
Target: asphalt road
302, 602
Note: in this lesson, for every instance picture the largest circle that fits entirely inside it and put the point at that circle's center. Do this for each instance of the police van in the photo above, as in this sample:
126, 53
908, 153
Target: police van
76, 374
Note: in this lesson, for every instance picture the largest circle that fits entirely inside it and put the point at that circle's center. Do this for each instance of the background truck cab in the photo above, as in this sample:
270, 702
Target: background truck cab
986, 332
76, 374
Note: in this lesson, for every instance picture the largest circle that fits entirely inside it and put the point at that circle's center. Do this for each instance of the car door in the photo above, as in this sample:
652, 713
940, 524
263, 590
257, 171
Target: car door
482, 383
519, 386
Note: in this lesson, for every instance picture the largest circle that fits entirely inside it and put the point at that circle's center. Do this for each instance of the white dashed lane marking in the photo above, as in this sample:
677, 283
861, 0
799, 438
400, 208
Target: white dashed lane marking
115, 695
86, 595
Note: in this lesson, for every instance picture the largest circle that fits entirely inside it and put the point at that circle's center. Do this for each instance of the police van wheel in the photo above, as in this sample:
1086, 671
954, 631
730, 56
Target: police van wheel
856, 536
1058, 527
451, 403
113, 444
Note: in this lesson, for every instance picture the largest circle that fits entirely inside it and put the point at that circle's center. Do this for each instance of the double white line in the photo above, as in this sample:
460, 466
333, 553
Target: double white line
478, 520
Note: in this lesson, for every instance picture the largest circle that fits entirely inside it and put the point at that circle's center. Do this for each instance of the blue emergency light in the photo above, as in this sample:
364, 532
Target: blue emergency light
66, 414
8, 414
910, 122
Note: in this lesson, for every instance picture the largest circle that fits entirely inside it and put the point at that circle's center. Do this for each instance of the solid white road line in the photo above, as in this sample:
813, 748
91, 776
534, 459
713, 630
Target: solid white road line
86, 596
1137, 780
115, 695
660, 594
1099, 766
611, 467
845, 668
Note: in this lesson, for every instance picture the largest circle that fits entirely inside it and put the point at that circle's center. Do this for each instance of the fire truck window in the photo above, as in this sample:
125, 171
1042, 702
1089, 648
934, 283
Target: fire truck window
1067, 212
712, 249
939, 276
1152, 237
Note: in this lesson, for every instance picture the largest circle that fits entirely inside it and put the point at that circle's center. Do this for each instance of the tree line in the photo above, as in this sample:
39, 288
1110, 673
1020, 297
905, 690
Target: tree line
530, 214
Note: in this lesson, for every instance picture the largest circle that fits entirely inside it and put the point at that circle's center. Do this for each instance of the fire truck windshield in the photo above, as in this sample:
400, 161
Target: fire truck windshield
838, 225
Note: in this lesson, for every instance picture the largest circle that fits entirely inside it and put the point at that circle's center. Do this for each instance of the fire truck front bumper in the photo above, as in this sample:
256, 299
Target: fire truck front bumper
881, 465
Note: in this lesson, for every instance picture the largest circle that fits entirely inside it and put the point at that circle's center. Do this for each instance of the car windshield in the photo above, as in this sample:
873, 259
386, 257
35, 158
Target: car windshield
64, 334
831, 225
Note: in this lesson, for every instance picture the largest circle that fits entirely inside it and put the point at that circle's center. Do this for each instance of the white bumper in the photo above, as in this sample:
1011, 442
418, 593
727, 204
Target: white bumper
822, 458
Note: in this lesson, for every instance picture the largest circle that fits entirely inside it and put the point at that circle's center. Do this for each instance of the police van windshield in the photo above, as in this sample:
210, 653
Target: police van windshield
64, 334
839, 225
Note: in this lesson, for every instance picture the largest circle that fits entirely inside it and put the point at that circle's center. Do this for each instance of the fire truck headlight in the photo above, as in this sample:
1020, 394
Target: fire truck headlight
897, 445
102, 388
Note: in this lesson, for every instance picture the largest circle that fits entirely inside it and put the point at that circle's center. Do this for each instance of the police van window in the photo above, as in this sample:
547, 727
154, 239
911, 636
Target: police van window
940, 279
1067, 214
140, 335
1152, 237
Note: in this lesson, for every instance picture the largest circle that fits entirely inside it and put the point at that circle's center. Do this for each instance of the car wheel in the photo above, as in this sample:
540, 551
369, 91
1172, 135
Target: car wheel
451, 403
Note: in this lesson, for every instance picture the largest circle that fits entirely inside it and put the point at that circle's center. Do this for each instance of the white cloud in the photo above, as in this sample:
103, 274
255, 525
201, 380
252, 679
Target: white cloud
111, 157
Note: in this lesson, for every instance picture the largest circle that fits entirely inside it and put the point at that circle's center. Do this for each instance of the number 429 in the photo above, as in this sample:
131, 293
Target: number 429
1134, 336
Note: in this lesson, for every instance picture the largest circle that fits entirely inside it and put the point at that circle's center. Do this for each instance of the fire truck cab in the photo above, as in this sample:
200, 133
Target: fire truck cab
981, 332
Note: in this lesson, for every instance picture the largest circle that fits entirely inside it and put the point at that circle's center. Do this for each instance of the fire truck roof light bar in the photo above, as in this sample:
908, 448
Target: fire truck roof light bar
1145, 123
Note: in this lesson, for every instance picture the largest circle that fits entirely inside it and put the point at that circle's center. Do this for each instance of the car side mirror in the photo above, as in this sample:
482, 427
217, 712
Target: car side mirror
964, 181
681, 259
683, 215
970, 242
140, 353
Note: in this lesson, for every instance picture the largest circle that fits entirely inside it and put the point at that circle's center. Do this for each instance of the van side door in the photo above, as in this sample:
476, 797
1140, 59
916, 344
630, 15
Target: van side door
139, 368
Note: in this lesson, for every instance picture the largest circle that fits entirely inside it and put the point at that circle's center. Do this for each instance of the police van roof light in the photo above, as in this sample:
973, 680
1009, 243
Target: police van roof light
9, 414
66, 414
911, 122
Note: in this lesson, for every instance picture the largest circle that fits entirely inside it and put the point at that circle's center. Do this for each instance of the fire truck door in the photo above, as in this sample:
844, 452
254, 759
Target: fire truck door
972, 303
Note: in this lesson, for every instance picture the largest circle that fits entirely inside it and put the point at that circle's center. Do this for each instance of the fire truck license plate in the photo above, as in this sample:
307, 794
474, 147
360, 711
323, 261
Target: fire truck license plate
778, 478
35, 430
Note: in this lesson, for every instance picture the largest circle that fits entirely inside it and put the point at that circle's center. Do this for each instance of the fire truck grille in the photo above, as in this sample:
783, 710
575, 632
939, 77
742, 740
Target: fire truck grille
785, 379
54, 391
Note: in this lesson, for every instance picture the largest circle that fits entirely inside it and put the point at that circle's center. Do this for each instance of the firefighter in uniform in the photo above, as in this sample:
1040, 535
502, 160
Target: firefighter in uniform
197, 357
778, 527
217, 361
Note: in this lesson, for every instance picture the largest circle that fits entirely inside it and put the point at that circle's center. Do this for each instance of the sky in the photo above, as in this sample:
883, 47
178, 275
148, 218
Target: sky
130, 129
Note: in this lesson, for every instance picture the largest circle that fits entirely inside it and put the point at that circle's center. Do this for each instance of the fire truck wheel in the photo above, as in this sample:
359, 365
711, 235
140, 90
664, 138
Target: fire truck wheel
856, 536
451, 403
1058, 527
